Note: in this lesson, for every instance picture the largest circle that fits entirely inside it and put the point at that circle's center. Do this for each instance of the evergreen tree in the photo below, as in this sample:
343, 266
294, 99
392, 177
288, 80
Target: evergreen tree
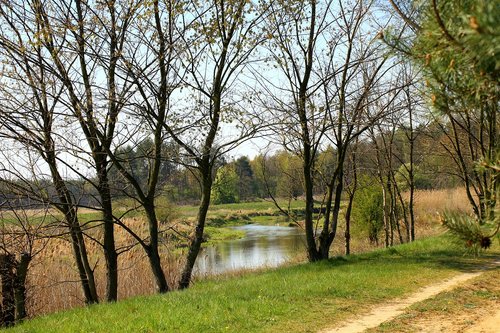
458, 48
247, 187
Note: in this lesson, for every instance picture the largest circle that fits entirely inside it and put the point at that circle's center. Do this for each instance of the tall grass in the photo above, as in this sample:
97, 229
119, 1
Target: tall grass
431, 204
53, 281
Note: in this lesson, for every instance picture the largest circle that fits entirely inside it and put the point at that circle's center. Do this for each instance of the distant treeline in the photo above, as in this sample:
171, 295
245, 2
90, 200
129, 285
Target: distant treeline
276, 174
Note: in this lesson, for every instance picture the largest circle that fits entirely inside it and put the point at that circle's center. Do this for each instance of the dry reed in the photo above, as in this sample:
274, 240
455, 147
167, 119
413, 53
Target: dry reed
53, 282
431, 204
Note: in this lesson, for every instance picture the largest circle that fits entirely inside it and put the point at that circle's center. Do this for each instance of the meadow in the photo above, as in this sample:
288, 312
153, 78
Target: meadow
298, 298
53, 283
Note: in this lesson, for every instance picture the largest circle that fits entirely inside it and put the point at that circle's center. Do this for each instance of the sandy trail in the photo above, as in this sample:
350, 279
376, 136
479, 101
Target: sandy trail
397, 307
487, 325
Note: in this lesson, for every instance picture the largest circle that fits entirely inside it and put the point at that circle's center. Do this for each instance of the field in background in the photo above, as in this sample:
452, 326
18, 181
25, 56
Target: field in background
434, 201
53, 281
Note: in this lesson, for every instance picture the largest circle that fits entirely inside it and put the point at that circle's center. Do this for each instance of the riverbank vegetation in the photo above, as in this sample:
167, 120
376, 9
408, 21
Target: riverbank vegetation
125, 128
48, 292
277, 299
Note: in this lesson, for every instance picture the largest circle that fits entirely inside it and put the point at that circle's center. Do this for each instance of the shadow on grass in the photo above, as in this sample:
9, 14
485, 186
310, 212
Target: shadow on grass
447, 255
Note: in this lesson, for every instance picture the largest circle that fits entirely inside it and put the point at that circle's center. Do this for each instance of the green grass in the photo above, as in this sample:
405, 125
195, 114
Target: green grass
230, 212
54, 217
296, 298
217, 234
257, 207
262, 212
268, 220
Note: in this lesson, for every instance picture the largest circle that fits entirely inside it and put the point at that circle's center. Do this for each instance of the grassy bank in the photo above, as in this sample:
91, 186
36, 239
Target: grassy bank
214, 234
296, 298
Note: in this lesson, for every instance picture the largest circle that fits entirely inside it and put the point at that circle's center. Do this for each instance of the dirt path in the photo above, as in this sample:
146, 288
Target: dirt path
487, 325
397, 307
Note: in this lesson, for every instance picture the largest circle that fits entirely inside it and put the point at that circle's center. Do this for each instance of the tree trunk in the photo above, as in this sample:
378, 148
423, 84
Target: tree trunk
330, 225
390, 213
411, 177
152, 251
396, 214
324, 247
67, 207
385, 216
336, 204
94, 297
312, 252
81, 259
7, 275
110, 254
20, 286
412, 212
194, 247
352, 193
348, 224
399, 198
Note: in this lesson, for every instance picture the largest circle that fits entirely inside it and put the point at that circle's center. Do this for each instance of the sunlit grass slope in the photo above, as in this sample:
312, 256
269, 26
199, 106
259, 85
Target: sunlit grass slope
298, 298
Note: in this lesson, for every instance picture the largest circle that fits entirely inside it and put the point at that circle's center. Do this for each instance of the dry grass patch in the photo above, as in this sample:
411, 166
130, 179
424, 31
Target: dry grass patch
431, 204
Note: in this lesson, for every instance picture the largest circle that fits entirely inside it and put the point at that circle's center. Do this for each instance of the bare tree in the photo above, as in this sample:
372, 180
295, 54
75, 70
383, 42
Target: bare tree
151, 61
394, 138
84, 41
331, 65
411, 101
98, 75
471, 137
223, 36
29, 112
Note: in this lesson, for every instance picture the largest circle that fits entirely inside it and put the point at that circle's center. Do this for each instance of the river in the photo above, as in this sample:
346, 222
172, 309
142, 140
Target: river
262, 246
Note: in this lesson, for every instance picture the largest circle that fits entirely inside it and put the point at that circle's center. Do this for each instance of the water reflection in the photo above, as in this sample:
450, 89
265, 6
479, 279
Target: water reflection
262, 246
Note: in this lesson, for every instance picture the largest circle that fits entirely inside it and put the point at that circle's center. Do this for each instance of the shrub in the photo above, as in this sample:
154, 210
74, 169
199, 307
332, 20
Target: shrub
165, 210
368, 211
225, 187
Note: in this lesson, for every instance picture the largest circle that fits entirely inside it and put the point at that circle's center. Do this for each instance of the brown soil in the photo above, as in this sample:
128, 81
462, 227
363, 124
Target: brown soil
468, 313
